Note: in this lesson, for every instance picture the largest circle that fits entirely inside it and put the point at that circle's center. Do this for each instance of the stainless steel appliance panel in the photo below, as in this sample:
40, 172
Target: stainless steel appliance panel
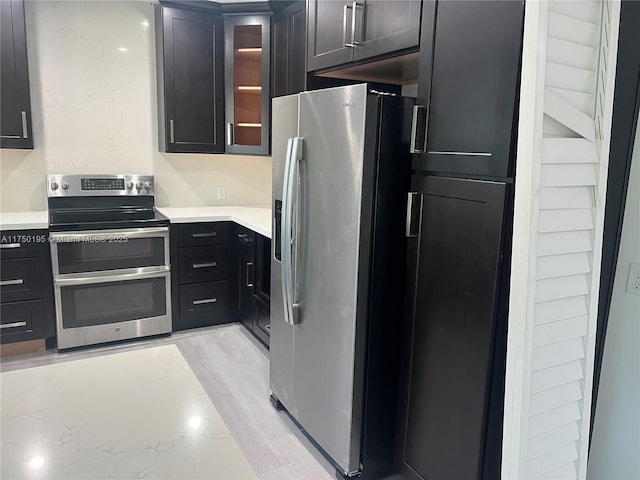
285, 110
332, 124
99, 250
75, 185
95, 308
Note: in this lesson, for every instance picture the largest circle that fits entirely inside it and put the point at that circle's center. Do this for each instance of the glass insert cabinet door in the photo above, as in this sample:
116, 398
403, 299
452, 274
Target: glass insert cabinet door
247, 84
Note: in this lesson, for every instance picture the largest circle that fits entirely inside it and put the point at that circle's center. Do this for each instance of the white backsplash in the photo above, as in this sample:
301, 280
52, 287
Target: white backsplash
92, 71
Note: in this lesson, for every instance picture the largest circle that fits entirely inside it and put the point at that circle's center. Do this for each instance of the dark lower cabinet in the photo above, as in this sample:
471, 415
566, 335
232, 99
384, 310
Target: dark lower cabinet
455, 336
262, 327
253, 262
15, 121
246, 279
22, 321
201, 303
190, 55
201, 274
27, 311
469, 73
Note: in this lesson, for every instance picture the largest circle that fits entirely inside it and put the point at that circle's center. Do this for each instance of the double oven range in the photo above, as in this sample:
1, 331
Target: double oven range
110, 256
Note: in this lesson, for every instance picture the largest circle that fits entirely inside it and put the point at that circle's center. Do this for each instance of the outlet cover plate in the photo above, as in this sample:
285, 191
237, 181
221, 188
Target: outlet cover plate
221, 194
633, 283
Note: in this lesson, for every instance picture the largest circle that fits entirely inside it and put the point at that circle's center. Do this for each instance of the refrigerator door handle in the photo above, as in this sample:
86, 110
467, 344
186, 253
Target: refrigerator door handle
285, 235
294, 154
296, 157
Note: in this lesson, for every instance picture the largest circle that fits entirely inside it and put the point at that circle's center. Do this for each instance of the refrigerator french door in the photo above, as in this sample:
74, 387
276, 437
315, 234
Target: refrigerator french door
340, 176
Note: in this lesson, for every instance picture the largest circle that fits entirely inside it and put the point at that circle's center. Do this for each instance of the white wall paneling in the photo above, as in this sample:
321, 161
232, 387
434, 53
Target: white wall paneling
565, 120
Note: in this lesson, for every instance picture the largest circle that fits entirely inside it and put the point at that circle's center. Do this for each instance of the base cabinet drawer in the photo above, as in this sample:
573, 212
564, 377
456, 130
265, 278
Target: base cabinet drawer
21, 321
202, 264
198, 234
20, 279
201, 302
23, 243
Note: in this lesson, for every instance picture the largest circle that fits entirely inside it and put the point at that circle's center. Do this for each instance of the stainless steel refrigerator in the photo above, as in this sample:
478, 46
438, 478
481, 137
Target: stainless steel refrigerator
341, 170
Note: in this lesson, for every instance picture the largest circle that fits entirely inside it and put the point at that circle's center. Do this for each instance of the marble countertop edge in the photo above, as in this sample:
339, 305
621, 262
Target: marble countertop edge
24, 220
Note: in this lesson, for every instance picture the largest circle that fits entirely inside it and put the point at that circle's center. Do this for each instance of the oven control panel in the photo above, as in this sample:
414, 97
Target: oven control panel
102, 184
99, 185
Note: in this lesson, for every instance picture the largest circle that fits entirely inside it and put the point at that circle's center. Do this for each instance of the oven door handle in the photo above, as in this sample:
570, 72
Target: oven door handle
111, 276
108, 235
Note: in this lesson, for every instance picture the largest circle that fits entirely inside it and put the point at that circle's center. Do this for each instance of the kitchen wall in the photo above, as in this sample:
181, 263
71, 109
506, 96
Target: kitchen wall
616, 429
93, 91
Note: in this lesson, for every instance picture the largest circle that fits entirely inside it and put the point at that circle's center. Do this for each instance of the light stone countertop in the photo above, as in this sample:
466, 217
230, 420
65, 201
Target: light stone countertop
257, 218
24, 220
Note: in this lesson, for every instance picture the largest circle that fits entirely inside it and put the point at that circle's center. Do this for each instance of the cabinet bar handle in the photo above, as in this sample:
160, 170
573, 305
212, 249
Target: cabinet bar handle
418, 130
204, 234
205, 300
17, 281
13, 325
25, 132
229, 133
172, 132
344, 26
354, 7
10, 245
249, 264
204, 265
414, 214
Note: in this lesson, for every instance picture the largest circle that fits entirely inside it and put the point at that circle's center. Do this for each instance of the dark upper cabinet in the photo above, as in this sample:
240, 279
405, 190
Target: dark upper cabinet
452, 334
15, 123
247, 84
288, 52
327, 37
190, 85
384, 27
343, 32
468, 87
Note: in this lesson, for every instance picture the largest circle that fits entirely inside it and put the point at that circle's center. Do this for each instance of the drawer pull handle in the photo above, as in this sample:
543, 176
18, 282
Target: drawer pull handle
17, 281
204, 234
13, 325
10, 245
249, 269
204, 265
205, 300
25, 130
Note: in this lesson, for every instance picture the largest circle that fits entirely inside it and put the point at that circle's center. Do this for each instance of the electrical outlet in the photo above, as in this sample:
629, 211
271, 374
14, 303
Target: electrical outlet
221, 193
633, 284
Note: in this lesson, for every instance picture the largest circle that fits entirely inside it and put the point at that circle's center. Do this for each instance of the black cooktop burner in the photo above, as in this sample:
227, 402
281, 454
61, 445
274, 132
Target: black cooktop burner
102, 213
104, 220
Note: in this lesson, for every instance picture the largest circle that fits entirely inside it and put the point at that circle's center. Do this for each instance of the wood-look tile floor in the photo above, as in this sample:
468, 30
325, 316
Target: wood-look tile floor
233, 369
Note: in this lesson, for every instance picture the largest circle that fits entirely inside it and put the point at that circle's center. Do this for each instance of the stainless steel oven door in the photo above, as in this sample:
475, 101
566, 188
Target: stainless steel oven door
103, 250
109, 306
